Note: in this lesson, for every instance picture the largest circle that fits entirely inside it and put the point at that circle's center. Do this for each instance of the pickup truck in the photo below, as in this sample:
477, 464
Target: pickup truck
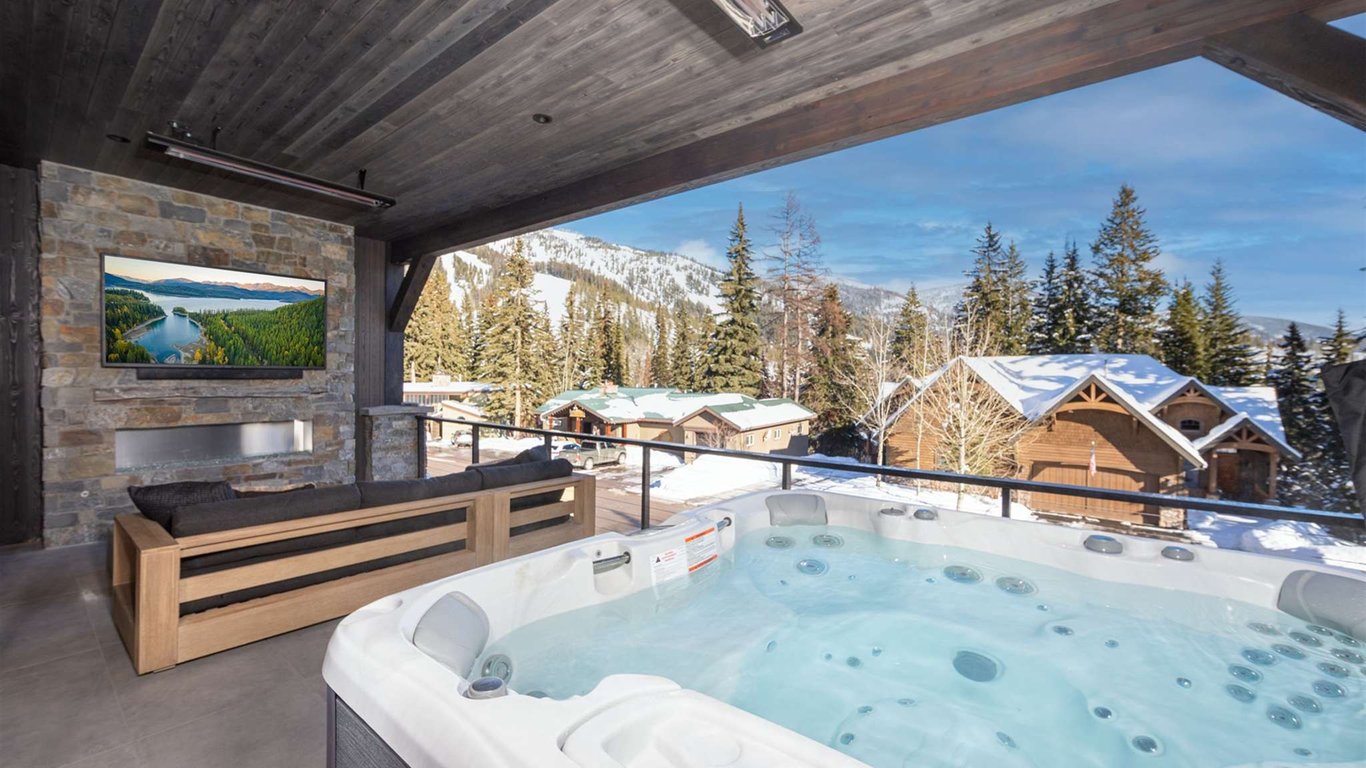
587, 454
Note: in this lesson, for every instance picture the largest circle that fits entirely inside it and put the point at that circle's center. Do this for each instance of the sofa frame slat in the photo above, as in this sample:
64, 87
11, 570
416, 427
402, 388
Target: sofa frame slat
254, 575
148, 589
219, 629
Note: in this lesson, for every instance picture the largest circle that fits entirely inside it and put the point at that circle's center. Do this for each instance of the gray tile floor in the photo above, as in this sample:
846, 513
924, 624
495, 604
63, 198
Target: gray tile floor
69, 696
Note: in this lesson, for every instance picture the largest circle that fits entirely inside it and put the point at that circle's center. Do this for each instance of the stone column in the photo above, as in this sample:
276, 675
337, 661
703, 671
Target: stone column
393, 444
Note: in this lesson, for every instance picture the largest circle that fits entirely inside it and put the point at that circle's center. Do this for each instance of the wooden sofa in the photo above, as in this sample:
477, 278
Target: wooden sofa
167, 609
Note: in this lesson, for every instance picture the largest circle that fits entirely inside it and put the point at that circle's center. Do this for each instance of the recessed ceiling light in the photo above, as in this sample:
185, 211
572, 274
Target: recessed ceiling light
541, 118
765, 21
116, 137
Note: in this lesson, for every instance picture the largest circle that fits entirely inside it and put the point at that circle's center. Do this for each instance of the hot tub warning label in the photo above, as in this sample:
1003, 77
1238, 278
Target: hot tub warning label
698, 551
669, 565
701, 549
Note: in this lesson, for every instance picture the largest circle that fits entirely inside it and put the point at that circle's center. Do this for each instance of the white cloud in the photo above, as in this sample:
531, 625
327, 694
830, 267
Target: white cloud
701, 250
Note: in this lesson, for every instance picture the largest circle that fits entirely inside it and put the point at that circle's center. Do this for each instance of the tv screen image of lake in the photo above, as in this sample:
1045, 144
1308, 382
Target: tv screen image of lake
171, 339
157, 313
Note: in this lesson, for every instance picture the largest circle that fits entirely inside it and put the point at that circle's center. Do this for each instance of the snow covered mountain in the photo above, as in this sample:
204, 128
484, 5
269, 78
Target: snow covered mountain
561, 256
656, 277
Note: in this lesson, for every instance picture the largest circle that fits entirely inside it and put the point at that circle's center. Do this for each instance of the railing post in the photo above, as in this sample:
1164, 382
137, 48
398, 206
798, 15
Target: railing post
474, 445
787, 475
421, 447
1005, 502
644, 488
550, 454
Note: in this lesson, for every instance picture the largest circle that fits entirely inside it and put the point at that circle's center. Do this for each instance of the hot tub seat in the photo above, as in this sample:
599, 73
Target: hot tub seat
227, 572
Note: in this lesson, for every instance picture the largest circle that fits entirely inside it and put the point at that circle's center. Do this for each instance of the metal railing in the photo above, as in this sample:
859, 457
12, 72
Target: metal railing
1007, 486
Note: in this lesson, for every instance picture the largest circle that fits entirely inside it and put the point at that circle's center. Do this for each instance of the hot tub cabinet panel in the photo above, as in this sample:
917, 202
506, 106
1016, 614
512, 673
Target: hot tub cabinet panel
353, 744
401, 667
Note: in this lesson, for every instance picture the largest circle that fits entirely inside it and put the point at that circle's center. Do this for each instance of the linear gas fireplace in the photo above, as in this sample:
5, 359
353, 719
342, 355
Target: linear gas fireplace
142, 448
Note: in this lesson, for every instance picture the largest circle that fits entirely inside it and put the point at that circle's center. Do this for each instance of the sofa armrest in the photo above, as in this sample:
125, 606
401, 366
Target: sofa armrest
145, 577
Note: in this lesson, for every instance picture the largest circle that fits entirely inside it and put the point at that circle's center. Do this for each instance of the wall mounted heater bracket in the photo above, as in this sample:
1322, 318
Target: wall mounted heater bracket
195, 153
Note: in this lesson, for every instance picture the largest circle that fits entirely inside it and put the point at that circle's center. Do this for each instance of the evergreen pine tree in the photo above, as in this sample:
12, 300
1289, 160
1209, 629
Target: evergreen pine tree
733, 352
620, 367
833, 366
1046, 323
1229, 359
572, 343
429, 343
706, 332
1128, 286
611, 346
462, 342
909, 336
661, 367
683, 371
1075, 331
515, 346
1338, 348
1182, 341
1299, 483
997, 299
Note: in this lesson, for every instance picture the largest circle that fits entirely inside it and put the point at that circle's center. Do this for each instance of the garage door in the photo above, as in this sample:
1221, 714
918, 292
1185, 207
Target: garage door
1110, 479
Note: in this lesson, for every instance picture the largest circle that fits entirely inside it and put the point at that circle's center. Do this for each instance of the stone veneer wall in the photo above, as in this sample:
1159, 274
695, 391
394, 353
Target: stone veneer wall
395, 442
85, 214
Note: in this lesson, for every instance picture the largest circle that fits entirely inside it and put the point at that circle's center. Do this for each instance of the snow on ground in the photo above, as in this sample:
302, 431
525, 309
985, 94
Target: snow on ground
722, 476
1283, 538
659, 460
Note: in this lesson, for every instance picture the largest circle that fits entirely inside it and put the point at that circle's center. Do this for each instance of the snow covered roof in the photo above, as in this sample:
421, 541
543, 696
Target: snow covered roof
454, 387
1036, 385
630, 404
1258, 404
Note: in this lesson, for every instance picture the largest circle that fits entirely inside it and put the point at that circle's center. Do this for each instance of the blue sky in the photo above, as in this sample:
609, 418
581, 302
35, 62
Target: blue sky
1225, 167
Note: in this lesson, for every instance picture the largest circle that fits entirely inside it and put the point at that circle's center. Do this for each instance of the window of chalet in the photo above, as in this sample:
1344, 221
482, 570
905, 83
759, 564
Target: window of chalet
1190, 425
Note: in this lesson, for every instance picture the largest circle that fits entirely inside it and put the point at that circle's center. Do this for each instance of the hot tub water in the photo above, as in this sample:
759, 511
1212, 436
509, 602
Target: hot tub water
903, 654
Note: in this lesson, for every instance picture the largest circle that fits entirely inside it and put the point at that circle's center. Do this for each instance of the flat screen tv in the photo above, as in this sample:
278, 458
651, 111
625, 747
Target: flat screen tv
158, 314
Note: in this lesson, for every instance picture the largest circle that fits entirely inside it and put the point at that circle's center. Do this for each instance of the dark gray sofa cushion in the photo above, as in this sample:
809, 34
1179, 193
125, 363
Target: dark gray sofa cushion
158, 502
529, 456
379, 493
241, 513
516, 474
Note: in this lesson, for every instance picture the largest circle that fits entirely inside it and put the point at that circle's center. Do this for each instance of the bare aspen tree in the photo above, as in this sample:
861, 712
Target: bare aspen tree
968, 426
793, 278
880, 383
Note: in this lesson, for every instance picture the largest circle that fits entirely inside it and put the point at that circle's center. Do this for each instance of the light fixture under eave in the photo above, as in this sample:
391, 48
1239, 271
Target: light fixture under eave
765, 21
184, 150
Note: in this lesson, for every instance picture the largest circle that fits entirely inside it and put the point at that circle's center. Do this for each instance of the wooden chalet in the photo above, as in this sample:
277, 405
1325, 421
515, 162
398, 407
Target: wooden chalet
1122, 422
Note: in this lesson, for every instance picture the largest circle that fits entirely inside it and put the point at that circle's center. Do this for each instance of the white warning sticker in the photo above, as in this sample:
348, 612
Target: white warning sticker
701, 549
669, 565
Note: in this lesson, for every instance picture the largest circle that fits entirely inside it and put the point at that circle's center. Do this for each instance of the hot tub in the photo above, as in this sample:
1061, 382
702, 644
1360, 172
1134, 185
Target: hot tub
818, 629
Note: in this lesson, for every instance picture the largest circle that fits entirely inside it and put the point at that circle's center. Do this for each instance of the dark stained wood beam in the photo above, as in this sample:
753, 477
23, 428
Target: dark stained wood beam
401, 309
1308, 60
1110, 41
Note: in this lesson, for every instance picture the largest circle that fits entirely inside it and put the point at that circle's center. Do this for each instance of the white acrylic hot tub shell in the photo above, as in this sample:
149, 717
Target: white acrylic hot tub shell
416, 704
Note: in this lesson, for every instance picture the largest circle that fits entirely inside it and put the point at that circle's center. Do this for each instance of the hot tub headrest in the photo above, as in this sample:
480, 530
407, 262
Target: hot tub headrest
796, 509
453, 631
1337, 602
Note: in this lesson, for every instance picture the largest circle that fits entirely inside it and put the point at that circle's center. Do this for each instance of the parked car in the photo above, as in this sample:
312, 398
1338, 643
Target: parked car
587, 454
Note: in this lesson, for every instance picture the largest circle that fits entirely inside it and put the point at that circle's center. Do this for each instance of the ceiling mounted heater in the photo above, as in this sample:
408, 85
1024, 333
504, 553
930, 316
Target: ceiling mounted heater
186, 150
765, 21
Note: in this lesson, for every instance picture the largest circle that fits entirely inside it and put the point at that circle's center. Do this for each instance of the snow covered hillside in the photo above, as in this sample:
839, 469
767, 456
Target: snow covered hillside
663, 278
653, 276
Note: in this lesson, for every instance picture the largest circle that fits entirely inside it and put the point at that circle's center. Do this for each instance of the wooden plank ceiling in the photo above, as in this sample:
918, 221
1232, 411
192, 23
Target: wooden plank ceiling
435, 97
